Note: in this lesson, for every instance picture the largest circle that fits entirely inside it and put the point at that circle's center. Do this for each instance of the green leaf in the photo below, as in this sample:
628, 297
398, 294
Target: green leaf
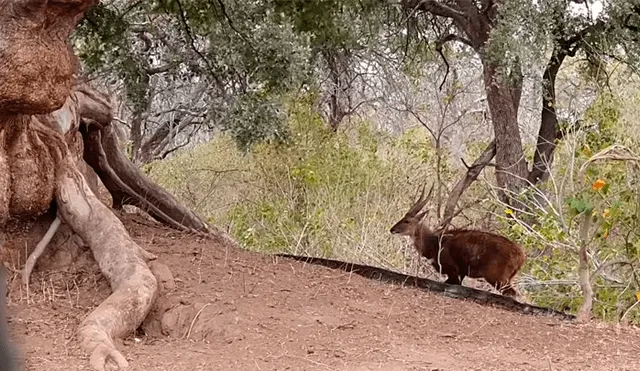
579, 205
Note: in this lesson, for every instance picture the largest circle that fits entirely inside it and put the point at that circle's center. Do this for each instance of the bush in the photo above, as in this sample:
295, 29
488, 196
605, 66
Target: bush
319, 194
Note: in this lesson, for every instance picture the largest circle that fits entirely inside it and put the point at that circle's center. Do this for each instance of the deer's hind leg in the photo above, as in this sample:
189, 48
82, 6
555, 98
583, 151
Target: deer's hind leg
508, 290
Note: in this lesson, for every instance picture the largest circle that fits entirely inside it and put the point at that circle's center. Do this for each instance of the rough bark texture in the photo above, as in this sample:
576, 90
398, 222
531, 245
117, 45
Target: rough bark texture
41, 157
120, 260
511, 172
36, 63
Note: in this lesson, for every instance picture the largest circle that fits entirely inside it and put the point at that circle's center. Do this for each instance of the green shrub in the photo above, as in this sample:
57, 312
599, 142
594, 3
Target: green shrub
607, 189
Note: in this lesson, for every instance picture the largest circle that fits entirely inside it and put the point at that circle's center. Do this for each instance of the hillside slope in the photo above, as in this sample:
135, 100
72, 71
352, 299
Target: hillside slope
234, 310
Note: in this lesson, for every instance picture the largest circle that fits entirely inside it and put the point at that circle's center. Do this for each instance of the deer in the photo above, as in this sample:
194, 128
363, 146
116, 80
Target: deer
460, 253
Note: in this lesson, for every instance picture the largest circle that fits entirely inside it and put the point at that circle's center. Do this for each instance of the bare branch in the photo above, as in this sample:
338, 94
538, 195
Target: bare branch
473, 172
160, 69
610, 264
436, 8
443, 40
452, 37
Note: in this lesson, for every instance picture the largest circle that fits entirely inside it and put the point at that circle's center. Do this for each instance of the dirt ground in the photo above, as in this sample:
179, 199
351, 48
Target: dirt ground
235, 310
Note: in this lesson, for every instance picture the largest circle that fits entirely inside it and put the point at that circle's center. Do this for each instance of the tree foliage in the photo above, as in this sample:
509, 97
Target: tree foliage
236, 56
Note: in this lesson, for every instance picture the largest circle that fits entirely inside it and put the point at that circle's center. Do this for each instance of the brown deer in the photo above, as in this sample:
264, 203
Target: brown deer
461, 253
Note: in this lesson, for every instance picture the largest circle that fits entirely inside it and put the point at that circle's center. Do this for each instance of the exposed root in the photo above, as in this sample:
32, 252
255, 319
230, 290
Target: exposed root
128, 185
102, 353
122, 262
455, 291
35, 255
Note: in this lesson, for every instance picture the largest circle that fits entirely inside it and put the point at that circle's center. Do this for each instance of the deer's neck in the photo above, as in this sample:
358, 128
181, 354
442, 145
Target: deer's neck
423, 241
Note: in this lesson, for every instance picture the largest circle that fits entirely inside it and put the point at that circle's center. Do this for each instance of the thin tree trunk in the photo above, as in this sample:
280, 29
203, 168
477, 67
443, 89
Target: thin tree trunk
546, 145
584, 314
338, 63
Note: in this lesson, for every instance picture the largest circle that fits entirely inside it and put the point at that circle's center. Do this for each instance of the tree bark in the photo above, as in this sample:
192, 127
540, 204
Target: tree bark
129, 186
340, 90
511, 170
122, 262
125, 182
548, 133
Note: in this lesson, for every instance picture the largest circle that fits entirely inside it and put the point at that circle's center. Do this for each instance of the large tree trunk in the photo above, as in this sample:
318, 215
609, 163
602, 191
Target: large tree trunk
41, 152
511, 171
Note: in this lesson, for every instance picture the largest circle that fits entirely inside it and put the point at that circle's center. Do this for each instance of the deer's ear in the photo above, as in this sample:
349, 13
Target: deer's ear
421, 215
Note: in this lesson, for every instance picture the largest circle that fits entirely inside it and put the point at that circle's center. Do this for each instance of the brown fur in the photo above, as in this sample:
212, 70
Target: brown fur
464, 253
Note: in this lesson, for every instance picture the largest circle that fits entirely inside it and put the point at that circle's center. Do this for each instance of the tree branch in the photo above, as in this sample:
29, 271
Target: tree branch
159, 69
436, 8
608, 264
452, 37
443, 40
473, 172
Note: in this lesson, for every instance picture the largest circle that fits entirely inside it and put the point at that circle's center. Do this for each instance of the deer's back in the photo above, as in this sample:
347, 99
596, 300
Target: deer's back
479, 253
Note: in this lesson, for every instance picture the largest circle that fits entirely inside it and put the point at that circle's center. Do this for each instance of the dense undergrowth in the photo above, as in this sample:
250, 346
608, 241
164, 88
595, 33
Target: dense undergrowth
337, 195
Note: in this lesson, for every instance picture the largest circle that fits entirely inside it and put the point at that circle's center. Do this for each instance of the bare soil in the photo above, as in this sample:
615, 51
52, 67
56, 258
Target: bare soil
227, 309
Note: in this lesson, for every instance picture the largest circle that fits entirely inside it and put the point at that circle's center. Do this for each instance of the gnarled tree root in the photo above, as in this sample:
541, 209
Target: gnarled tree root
122, 262
128, 185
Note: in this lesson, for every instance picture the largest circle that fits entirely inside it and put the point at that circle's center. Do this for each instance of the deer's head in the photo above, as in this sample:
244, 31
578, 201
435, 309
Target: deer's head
408, 225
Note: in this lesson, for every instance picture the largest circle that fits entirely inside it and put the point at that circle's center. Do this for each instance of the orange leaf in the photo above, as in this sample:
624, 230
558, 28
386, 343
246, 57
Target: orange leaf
598, 184
638, 295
